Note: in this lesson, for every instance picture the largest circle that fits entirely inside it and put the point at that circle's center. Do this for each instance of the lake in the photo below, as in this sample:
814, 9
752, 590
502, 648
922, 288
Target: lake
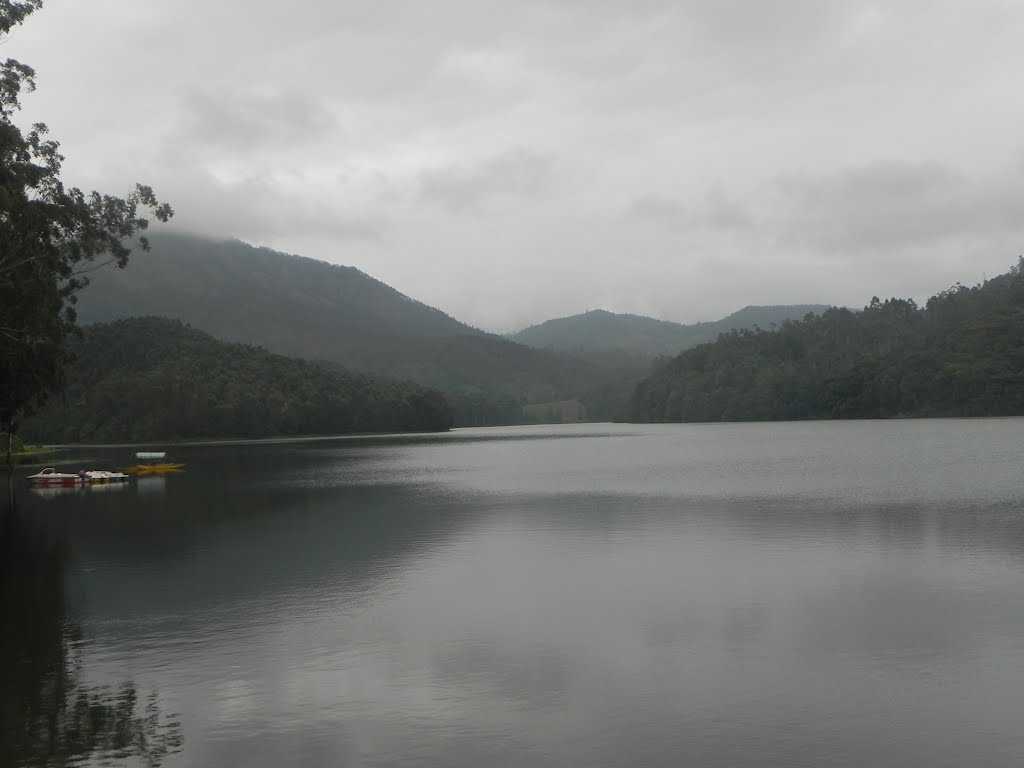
794, 594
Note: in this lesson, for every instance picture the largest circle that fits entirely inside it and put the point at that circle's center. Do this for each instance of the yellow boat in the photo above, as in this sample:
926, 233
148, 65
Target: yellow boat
153, 468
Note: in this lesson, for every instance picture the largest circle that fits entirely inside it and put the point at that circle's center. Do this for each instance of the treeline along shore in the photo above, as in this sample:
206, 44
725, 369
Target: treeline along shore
151, 378
961, 354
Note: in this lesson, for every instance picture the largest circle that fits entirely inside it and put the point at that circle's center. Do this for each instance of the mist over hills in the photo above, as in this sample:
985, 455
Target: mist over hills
341, 316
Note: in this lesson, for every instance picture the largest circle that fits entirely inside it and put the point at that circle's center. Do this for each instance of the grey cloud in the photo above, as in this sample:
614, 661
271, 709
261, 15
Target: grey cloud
515, 174
663, 210
257, 209
716, 212
891, 206
244, 121
742, 27
355, 130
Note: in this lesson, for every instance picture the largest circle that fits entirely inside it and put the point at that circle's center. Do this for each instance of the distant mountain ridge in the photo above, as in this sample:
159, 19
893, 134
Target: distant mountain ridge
338, 315
235, 290
601, 331
318, 311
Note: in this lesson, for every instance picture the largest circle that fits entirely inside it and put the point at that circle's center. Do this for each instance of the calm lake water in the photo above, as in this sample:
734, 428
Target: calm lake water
811, 594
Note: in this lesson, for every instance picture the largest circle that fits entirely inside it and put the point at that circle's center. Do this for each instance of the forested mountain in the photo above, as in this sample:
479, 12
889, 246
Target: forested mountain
306, 308
962, 354
342, 317
287, 303
602, 332
152, 378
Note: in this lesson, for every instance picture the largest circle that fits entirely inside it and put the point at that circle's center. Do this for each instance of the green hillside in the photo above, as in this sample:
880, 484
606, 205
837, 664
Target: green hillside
156, 379
601, 332
342, 317
962, 354
289, 304
314, 310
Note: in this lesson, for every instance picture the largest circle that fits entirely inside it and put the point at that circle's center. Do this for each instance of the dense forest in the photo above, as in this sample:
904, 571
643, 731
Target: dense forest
157, 379
962, 354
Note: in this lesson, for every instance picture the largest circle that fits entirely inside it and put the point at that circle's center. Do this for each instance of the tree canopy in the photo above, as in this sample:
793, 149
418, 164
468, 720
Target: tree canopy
51, 237
962, 354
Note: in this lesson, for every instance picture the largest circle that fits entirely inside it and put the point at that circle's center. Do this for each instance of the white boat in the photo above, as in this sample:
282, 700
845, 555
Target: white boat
50, 476
102, 476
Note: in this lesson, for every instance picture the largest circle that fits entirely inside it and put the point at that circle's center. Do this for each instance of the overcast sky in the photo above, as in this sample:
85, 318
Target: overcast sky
518, 160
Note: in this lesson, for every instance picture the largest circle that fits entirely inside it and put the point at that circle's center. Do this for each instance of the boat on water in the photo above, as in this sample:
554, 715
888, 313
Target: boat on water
151, 464
51, 477
101, 476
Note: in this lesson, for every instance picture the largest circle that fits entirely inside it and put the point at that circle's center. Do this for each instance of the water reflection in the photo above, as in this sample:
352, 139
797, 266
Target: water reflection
48, 714
740, 596
54, 491
151, 485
